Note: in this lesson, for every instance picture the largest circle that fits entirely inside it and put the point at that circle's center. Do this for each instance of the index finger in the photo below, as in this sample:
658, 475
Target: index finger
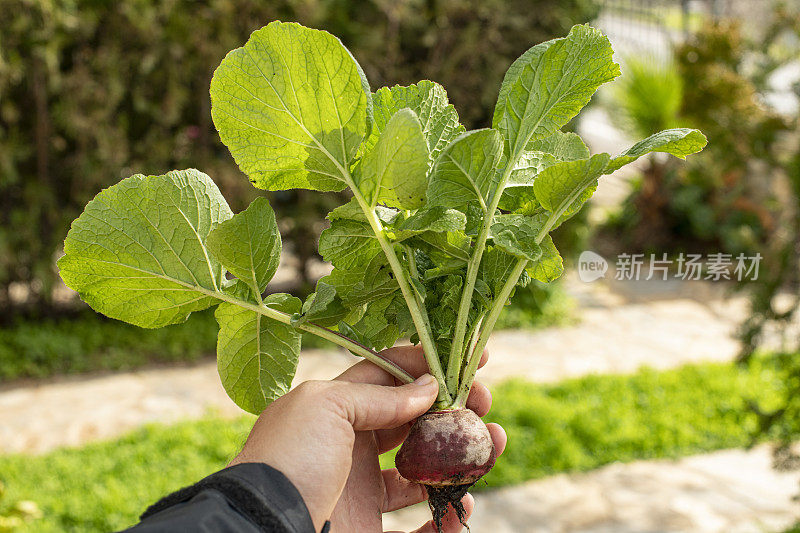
409, 358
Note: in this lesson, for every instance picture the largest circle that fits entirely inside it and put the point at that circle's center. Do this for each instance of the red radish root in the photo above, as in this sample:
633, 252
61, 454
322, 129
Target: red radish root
447, 451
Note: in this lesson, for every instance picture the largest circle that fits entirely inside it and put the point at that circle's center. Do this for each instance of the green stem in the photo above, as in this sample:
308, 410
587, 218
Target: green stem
429, 349
336, 338
491, 319
455, 361
473, 336
417, 315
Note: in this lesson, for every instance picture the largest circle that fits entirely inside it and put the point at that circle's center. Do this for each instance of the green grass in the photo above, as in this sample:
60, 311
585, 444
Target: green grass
572, 426
90, 342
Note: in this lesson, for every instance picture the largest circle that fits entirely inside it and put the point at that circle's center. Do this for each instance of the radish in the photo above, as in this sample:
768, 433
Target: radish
442, 227
447, 451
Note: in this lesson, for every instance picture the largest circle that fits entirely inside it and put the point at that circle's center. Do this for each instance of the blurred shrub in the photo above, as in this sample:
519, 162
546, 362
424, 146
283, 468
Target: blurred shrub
775, 295
648, 97
537, 305
93, 91
725, 198
84, 342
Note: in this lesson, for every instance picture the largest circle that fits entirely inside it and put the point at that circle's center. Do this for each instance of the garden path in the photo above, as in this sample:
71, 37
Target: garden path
730, 491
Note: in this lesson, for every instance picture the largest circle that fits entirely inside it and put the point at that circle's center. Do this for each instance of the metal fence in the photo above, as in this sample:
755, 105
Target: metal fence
652, 27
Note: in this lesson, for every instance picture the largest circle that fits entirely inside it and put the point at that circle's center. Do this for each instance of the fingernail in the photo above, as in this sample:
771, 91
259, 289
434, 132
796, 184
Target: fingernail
424, 380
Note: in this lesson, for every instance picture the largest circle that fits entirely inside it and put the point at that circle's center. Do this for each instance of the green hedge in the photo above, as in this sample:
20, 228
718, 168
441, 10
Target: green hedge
89, 342
576, 425
92, 91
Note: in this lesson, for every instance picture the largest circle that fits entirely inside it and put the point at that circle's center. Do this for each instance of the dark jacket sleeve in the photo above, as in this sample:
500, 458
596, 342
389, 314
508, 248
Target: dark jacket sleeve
250, 497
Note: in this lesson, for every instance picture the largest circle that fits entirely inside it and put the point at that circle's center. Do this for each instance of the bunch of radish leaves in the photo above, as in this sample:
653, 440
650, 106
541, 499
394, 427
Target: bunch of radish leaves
442, 226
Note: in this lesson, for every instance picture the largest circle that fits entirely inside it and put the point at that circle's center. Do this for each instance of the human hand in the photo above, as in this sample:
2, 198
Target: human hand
325, 436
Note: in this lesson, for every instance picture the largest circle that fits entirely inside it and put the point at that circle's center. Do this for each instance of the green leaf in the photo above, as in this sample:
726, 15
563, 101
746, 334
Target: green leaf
516, 234
352, 211
435, 219
679, 142
377, 281
529, 165
529, 57
137, 253
358, 286
395, 171
380, 326
429, 101
546, 87
249, 245
465, 170
323, 307
518, 195
549, 266
443, 245
257, 356
564, 187
292, 105
562, 145
348, 244
496, 267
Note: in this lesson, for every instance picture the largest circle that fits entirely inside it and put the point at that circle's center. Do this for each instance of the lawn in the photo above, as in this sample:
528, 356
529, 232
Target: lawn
572, 426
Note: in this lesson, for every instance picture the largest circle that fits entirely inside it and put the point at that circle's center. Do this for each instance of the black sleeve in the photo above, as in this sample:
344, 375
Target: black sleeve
250, 497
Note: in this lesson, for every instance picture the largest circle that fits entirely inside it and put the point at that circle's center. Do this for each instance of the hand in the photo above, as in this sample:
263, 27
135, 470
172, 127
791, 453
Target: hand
325, 436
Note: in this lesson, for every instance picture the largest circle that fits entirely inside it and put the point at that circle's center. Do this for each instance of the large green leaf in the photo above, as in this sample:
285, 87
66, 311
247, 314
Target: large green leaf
429, 101
679, 142
249, 245
292, 106
257, 356
465, 171
137, 253
530, 56
395, 171
550, 84
564, 186
349, 244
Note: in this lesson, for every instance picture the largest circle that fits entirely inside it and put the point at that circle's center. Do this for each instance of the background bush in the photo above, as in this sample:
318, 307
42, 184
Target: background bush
92, 91
727, 198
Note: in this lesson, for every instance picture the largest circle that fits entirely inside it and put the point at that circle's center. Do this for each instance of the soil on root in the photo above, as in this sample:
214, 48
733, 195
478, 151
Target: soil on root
440, 497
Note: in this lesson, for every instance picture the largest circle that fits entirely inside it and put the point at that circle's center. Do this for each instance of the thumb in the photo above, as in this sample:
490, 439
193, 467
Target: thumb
369, 407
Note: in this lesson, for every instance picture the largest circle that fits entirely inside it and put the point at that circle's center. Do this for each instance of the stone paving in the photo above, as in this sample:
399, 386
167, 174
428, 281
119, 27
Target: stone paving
730, 491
